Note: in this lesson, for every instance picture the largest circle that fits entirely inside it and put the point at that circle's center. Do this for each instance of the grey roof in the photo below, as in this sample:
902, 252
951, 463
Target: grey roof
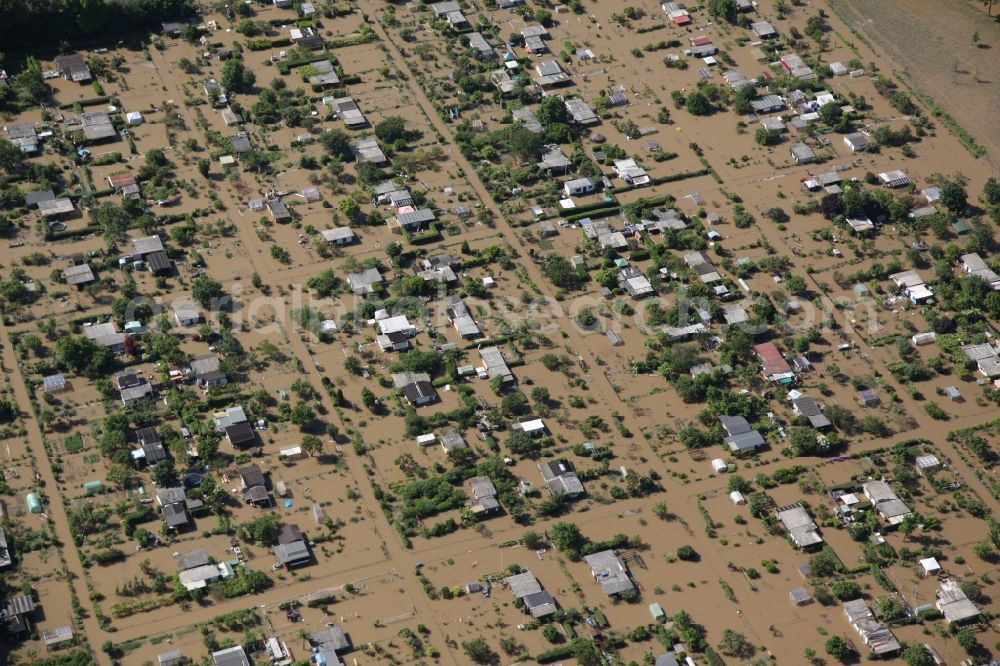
332, 638
234, 656
338, 234
554, 158
172, 658
73, 67
22, 604
239, 433
453, 441
278, 209
581, 111
495, 364
54, 382
203, 365
59, 206
767, 103
175, 514
296, 552
954, 604
241, 143
763, 28
886, 501
252, 476
442, 8
191, 559
81, 274
747, 441
418, 392
800, 525
62, 634
420, 216
610, 572
802, 152
186, 310
523, 584
147, 245
479, 43
527, 118
366, 281
540, 604
876, 635
34, 198
171, 495
534, 31
735, 425
137, 392
289, 533
96, 125
560, 478
482, 486
368, 150
806, 407
158, 261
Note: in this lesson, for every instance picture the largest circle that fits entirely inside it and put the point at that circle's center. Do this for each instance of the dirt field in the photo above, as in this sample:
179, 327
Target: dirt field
947, 64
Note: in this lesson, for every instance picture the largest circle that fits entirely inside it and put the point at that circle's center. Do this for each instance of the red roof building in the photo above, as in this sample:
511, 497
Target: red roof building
701, 41
774, 366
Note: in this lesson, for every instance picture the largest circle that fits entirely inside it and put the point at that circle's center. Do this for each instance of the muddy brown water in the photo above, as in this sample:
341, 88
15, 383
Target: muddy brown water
367, 553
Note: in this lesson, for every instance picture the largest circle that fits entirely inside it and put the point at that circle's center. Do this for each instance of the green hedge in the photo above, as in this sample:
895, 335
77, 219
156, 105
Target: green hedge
93, 101
286, 66
595, 214
561, 652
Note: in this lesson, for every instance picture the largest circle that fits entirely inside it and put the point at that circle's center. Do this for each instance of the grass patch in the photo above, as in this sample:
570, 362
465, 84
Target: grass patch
74, 443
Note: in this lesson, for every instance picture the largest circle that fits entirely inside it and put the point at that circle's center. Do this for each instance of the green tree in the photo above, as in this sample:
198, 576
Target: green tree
723, 9
112, 219
914, 654
532, 540
567, 537
205, 290
302, 414
391, 129
767, 137
337, 144
163, 473
953, 194
552, 111
738, 483
796, 285
830, 113
586, 652
11, 157
369, 399
236, 77
479, 651
560, 272
523, 143
839, 649
312, 445
991, 191
697, 104
845, 590
968, 641
203, 166
521, 443
350, 209
81, 355
736, 644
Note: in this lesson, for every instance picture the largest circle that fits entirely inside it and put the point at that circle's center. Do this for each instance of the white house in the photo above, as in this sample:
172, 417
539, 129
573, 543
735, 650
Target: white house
578, 186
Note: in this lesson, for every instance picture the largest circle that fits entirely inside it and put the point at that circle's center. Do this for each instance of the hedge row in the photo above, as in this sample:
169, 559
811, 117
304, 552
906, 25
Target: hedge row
93, 101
